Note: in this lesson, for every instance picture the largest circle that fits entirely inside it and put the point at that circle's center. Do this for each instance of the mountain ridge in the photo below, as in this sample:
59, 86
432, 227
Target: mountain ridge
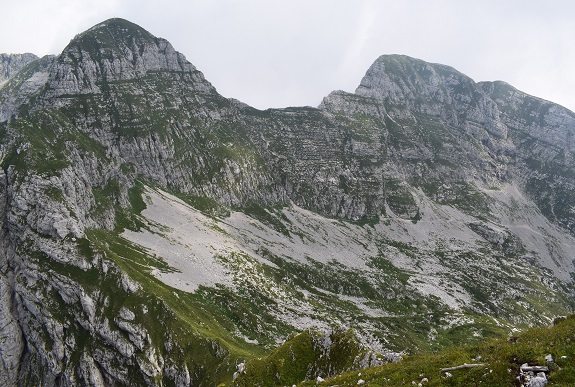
423, 210
12, 63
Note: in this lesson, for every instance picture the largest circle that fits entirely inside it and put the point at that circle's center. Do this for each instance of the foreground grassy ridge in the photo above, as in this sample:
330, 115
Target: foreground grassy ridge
306, 356
502, 359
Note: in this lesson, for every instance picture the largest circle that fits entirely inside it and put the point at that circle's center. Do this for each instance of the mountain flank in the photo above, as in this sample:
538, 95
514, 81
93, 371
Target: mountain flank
155, 232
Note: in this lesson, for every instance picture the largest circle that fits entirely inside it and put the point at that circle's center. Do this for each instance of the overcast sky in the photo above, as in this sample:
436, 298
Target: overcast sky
294, 52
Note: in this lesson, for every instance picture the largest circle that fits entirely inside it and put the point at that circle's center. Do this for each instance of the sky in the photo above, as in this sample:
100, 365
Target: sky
279, 53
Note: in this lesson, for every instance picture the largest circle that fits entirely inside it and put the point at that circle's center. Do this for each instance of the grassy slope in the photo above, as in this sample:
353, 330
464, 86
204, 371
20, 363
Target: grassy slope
284, 365
305, 356
502, 359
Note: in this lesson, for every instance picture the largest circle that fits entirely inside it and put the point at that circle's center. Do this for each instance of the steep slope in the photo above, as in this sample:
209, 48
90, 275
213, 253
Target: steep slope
449, 138
542, 133
69, 160
156, 232
10, 64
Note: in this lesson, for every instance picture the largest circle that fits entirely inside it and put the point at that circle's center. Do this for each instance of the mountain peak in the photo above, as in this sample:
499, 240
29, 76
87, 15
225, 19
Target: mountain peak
114, 50
116, 30
402, 78
119, 39
433, 89
117, 22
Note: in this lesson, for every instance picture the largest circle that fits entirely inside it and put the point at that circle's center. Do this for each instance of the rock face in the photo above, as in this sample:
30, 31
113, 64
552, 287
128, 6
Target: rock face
23, 84
377, 204
10, 64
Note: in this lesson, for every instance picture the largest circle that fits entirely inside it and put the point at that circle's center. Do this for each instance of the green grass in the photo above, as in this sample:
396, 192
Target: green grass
205, 205
196, 326
462, 195
304, 356
270, 217
502, 358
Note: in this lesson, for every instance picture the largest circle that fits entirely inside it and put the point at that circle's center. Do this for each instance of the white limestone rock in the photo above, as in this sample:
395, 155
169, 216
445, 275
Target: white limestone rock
11, 339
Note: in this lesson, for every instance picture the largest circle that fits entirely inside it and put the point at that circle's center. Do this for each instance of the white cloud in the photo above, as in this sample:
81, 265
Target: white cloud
356, 51
46, 26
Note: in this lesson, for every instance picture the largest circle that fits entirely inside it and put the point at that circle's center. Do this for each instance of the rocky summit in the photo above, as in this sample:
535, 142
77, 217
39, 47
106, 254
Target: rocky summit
155, 232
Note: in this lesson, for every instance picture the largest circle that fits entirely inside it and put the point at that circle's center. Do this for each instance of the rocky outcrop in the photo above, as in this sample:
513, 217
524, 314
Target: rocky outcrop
113, 51
320, 162
10, 64
308, 356
542, 134
11, 336
23, 85
413, 85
